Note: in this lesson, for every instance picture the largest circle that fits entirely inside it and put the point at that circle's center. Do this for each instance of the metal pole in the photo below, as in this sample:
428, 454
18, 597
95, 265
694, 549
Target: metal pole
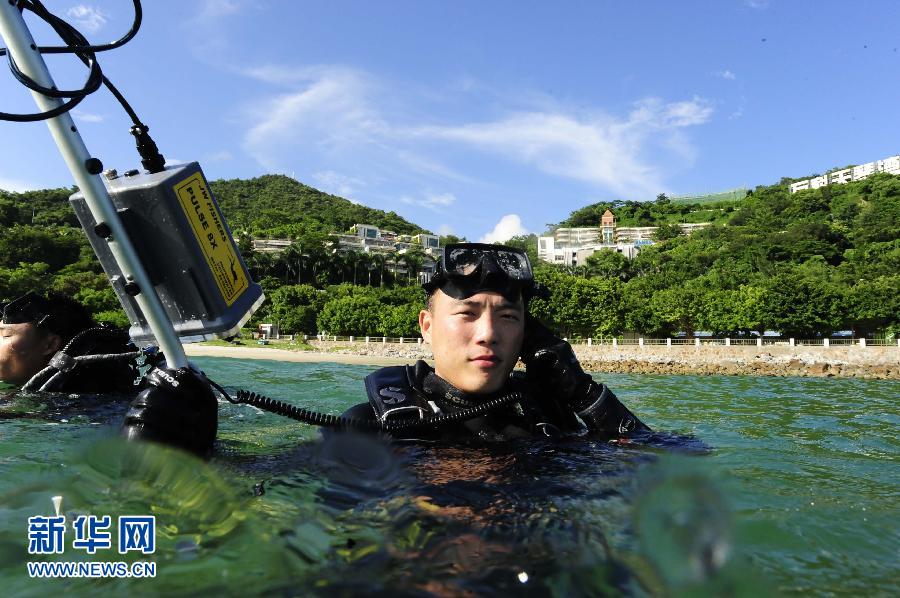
21, 46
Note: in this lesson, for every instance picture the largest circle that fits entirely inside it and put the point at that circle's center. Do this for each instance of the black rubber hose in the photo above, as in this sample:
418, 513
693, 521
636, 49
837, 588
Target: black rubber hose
43, 379
40, 10
39, 379
76, 44
335, 421
95, 331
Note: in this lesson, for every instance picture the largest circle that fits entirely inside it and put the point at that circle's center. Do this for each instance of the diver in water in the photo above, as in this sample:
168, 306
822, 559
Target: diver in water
51, 343
42, 338
477, 323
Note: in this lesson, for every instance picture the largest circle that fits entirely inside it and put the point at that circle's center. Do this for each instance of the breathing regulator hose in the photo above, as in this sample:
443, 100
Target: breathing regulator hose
68, 358
368, 425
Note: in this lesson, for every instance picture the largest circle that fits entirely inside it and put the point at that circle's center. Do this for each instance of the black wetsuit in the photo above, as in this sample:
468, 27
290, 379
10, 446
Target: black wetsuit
416, 391
111, 375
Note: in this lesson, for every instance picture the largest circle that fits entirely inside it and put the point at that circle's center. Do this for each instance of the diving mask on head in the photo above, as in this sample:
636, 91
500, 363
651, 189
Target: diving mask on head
29, 308
54, 313
466, 269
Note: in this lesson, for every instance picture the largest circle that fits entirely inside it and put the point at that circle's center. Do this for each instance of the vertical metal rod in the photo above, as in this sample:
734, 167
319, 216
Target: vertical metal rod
21, 46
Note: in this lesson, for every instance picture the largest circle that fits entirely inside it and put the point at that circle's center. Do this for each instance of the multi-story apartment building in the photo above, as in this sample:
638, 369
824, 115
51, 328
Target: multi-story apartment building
572, 246
889, 165
366, 238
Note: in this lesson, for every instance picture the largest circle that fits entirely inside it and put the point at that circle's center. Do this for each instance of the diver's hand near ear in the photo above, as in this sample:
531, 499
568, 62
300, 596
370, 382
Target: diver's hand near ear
550, 361
177, 408
553, 370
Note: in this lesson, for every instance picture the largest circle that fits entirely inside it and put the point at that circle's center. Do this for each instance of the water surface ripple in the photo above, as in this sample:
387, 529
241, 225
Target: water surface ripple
791, 486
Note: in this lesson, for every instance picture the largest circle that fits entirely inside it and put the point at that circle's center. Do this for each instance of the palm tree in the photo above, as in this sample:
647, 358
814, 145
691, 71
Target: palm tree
292, 257
380, 259
261, 264
353, 257
413, 257
365, 260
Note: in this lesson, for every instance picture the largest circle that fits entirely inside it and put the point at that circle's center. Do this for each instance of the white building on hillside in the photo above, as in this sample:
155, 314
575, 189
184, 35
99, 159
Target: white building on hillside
839, 177
366, 238
573, 246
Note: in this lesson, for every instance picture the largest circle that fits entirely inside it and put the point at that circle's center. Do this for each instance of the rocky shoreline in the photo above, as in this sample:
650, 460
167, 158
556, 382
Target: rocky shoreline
760, 367
845, 362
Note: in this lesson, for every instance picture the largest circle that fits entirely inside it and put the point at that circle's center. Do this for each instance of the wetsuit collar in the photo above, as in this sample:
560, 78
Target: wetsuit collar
436, 387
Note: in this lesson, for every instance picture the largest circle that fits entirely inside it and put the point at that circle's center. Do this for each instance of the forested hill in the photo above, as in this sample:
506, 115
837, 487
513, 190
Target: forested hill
804, 264
278, 206
267, 206
651, 213
42, 246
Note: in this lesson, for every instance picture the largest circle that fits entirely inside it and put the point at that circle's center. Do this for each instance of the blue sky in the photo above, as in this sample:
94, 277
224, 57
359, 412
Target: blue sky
483, 119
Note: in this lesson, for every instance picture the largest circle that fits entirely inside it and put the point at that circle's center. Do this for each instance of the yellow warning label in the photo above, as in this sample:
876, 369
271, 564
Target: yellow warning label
214, 240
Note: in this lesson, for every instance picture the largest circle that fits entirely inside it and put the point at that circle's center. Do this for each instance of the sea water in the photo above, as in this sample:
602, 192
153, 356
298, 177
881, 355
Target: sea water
788, 486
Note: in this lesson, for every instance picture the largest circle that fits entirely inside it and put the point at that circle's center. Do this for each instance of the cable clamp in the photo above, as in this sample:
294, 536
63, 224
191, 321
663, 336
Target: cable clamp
63, 362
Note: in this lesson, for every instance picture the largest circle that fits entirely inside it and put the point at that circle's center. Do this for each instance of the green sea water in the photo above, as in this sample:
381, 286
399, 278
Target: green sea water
792, 486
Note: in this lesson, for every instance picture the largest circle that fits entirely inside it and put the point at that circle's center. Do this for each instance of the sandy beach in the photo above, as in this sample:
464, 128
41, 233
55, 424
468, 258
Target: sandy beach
844, 362
200, 350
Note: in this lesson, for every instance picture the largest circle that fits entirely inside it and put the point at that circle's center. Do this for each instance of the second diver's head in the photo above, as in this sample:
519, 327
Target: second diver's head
33, 328
475, 317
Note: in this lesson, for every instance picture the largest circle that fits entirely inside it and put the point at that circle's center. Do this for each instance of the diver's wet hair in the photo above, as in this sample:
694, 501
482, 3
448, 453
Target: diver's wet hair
59, 314
53, 312
465, 269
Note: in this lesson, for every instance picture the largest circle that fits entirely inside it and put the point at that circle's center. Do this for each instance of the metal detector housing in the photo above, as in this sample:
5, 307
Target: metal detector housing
86, 170
184, 243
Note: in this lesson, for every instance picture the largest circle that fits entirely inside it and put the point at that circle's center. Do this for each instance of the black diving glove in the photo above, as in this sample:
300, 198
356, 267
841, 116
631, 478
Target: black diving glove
552, 368
177, 408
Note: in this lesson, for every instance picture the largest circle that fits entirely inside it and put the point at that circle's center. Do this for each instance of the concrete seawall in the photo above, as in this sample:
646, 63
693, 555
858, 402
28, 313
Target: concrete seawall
770, 360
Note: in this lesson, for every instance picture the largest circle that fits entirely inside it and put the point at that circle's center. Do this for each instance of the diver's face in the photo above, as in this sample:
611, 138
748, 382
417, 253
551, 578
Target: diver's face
475, 341
24, 351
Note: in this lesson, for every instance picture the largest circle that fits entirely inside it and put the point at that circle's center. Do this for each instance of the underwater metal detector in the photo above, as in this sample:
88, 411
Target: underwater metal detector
184, 243
160, 235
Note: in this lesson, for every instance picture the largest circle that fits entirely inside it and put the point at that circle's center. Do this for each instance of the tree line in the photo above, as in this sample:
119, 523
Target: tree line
805, 264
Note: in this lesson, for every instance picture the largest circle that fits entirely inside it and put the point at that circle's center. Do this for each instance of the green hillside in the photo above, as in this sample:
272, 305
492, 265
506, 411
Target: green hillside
733, 195
43, 247
270, 205
805, 264
650, 213
278, 206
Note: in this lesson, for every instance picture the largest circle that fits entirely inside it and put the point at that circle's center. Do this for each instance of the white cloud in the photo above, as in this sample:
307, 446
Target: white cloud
432, 201
218, 156
16, 185
292, 76
444, 230
213, 9
739, 112
509, 226
340, 115
428, 166
757, 4
88, 19
442, 200
654, 113
87, 117
601, 151
330, 107
726, 74
335, 183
